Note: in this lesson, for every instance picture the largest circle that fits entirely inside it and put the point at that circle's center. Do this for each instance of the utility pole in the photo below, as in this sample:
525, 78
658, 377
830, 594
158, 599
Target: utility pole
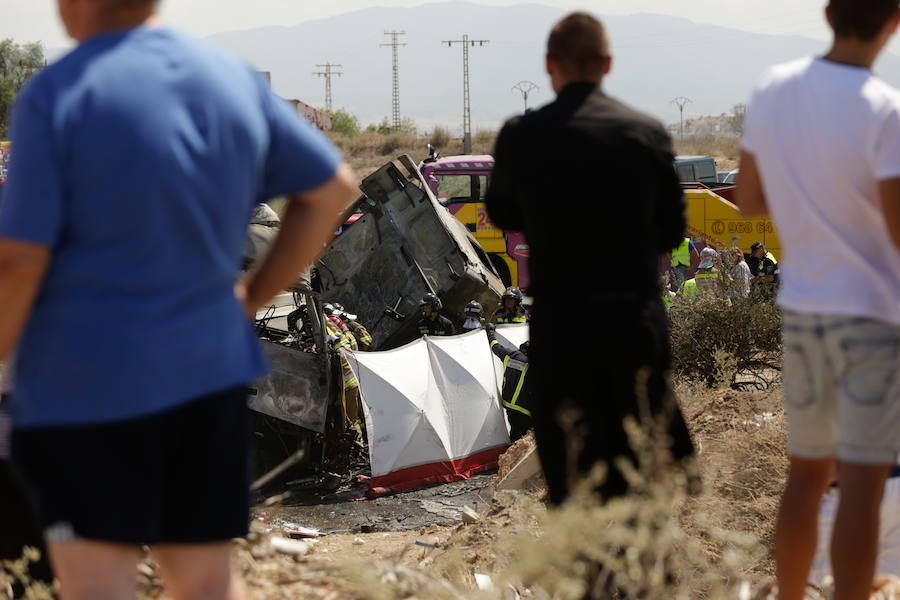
395, 98
467, 107
526, 87
327, 74
681, 102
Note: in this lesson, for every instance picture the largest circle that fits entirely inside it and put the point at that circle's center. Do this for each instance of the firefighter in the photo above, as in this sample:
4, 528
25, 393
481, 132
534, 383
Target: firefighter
334, 315
474, 314
360, 333
432, 322
511, 309
516, 391
343, 340
707, 276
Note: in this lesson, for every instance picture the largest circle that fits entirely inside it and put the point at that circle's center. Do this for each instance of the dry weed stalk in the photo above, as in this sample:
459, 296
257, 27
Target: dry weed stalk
15, 573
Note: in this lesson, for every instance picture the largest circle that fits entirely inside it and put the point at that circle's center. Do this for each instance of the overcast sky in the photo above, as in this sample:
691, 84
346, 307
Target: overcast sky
28, 20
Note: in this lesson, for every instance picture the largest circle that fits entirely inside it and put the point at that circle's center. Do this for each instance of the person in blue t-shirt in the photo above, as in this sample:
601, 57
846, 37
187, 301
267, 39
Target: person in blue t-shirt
139, 159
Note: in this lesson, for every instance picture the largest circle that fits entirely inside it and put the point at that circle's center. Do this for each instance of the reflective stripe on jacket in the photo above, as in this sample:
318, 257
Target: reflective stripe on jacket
516, 391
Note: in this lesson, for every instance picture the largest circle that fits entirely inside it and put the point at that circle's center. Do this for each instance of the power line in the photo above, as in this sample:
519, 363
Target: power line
467, 107
328, 73
681, 102
395, 88
526, 87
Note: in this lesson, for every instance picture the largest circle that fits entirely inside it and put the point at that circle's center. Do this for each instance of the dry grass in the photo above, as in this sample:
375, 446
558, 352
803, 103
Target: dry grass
726, 150
740, 437
369, 150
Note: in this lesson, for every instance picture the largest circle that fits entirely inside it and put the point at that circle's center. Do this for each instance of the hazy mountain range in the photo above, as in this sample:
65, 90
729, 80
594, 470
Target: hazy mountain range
656, 58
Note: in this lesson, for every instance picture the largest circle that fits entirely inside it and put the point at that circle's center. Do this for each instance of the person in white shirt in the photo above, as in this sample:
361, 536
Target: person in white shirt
821, 154
740, 274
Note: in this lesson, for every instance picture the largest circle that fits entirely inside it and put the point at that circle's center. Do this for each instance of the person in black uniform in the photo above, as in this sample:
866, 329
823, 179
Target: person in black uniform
432, 322
559, 160
516, 384
511, 309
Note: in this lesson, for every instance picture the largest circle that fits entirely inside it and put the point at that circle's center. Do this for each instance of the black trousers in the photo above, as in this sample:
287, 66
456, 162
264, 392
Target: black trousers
519, 424
19, 525
581, 394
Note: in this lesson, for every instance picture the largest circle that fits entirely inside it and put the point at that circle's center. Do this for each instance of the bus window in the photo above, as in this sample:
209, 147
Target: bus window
482, 187
453, 189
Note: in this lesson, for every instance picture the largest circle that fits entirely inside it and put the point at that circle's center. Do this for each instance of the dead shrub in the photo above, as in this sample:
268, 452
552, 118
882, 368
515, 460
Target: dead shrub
483, 142
724, 343
393, 142
440, 137
722, 147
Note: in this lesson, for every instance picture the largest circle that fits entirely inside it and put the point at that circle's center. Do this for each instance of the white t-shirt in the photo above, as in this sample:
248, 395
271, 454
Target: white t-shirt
823, 135
741, 275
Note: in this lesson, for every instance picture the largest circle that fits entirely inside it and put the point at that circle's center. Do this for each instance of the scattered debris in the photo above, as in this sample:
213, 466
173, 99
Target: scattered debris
290, 547
304, 532
469, 515
442, 510
484, 582
520, 467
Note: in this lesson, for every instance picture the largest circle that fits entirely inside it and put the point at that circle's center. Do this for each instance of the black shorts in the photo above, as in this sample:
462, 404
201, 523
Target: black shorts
182, 476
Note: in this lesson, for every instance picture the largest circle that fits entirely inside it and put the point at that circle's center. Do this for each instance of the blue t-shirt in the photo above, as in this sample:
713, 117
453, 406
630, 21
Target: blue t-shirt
138, 160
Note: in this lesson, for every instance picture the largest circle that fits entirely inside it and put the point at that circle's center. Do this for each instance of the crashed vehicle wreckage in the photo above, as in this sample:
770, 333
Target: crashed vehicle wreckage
397, 244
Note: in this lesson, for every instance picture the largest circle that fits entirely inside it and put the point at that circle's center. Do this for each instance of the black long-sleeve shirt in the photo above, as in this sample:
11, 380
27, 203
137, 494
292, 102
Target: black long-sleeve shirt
592, 185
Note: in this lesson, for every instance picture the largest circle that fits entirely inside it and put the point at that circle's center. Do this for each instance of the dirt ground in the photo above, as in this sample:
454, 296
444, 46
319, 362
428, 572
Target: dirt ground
413, 544
740, 438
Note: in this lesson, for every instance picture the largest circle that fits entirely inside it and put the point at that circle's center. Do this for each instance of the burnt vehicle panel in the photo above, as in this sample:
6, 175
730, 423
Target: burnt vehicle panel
404, 246
300, 386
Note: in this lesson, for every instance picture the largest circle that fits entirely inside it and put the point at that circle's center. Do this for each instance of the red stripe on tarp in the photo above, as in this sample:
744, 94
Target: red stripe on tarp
436, 472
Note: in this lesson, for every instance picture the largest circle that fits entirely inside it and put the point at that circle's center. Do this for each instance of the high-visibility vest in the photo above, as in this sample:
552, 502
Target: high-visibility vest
501, 317
682, 254
771, 257
667, 299
688, 289
705, 276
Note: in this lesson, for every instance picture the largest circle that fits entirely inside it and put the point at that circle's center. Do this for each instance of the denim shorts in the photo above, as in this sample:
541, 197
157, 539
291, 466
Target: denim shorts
842, 388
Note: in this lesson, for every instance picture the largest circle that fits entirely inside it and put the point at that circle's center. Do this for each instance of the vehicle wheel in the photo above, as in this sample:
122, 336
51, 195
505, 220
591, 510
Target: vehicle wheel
502, 269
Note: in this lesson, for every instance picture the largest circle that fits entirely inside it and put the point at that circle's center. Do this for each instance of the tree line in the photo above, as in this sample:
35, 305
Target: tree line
18, 62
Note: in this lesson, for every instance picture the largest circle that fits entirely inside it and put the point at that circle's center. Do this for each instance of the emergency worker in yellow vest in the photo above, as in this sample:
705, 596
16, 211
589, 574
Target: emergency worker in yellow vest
667, 295
681, 260
511, 309
707, 276
341, 340
763, 266
516, 391
688, 289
